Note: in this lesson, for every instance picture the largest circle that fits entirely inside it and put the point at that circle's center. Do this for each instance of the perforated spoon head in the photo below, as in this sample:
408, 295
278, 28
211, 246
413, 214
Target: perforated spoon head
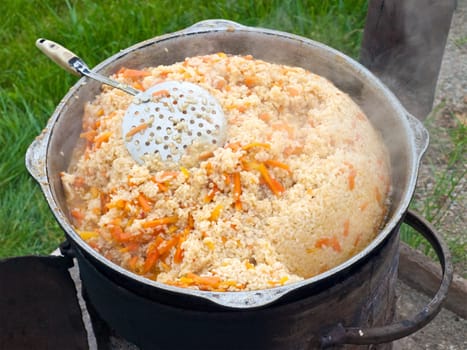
168, 118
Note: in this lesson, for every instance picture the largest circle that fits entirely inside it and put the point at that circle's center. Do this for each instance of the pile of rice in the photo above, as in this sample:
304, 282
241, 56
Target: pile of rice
300, 186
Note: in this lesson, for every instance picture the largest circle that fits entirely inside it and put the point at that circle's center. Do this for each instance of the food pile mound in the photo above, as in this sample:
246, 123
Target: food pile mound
300, 186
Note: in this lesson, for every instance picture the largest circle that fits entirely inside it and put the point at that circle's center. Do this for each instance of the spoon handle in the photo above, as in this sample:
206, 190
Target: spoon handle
75, 65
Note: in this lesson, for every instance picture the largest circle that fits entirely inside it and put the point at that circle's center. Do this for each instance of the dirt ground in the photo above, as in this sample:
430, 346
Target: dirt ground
447, 330
450, 104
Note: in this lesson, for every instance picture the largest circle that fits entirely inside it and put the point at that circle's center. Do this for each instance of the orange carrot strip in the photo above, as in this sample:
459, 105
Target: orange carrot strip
77, 214
277, 164
101, 138
227, 178
152, 255
256, 144
137, 129
210, 196
237, 192
159, 222
273, 184
144, 203
331, 242
216, 212
265, 117
132, 262
346, 228
88, 135
211, 281
293, 91
138, 86
119, 204
351, 176
209, 168
235, 146
178, 256
161, 93
134, 73
165, 246
205, 155
251, 81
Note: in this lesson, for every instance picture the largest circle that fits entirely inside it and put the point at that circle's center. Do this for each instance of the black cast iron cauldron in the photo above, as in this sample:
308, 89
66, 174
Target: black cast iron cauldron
358, 293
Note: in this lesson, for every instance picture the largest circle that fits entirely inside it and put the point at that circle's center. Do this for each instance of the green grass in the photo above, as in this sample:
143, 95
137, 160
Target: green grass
446, 162
31, 85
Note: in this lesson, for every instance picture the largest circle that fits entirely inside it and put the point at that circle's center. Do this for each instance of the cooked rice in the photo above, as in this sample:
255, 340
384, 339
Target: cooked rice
300, 186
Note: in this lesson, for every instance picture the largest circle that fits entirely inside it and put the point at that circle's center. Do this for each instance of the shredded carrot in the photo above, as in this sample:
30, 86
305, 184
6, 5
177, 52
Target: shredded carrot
292, 91
275, 186
234, 146
346, 227
363, 206
133, 262
79, 182
138, 86
101, 138
251, 81
265, 117
88, 135
210, 196
216, 212
378, 196
159, 222
205, 155
351, 176
163, 187
357, 240
219, 84
242, 108
104, 199
210, 281
178, 256
88, 234
137, 129
331, 242
256, 144
133, 73
208, 168
119, 204
100, 112
277, 164
227, 179
165, 246
144, 203
77, 214
152, 255
161, 93
237, 192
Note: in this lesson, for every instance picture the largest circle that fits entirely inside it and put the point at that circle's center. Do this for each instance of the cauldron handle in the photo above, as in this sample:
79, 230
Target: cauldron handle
340, 334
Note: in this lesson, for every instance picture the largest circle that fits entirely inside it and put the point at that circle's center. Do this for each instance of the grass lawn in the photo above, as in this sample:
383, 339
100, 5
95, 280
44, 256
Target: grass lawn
31, 85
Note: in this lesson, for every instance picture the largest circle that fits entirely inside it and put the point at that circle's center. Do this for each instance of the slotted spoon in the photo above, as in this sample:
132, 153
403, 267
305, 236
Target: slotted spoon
163, 120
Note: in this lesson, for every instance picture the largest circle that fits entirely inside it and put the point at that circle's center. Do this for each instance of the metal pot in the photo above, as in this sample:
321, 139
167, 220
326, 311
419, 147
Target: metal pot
404, 136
